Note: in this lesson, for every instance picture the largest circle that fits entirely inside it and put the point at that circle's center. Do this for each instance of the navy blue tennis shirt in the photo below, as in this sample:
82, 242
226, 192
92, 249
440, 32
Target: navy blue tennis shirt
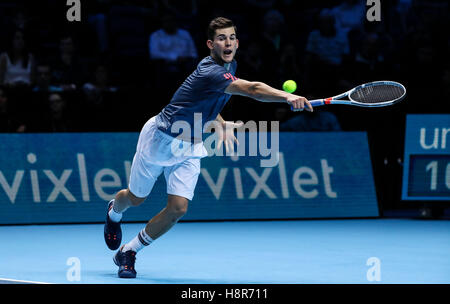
202, 92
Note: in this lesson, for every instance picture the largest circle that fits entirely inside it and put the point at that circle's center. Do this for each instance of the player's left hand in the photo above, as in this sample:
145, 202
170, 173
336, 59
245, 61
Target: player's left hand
226, 136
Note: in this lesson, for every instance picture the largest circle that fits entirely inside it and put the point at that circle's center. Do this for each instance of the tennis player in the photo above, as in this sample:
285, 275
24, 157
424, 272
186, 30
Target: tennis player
205, 91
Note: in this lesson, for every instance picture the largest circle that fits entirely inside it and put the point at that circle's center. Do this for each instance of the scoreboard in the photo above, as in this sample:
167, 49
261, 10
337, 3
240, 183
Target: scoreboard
426, 171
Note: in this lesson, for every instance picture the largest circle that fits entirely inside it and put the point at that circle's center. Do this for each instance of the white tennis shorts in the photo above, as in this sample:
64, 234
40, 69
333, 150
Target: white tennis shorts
157, 152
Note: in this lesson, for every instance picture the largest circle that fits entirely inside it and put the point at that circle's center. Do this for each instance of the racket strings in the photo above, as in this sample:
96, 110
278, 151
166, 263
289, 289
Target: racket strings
377, 93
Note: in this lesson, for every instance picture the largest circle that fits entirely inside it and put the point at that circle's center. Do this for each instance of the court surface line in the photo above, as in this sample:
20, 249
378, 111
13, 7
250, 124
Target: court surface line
14, 281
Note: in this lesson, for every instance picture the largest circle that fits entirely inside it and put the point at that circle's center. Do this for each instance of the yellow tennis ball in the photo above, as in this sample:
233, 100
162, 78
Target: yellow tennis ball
290, 86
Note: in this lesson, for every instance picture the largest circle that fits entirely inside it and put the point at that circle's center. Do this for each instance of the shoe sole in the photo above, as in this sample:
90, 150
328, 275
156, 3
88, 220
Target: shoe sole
113, 246
127, 275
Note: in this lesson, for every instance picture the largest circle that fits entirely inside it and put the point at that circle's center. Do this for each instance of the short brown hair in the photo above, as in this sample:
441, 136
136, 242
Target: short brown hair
219, 23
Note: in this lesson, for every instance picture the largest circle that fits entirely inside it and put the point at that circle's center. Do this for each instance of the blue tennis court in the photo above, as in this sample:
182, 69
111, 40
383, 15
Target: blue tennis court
297, 251
107, 103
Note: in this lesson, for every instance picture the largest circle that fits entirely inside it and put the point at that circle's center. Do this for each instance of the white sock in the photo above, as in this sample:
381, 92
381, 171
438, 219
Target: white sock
140, 241
114, 216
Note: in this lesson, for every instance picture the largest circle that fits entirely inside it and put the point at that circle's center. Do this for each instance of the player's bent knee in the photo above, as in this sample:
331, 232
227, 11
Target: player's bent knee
134, 200
177, 205
179, 210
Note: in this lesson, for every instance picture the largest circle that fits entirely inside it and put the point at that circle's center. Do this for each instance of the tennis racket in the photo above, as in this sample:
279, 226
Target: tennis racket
372, 94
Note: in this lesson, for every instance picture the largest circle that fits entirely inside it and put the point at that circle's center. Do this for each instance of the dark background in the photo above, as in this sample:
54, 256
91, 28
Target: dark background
410, 45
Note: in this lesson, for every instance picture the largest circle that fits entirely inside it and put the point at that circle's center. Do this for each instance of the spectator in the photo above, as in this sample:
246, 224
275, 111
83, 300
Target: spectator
57, 118
20, 19
289, 63
95, 90
44, 79
9, 121
272, 41
325, 51
17, 63
98, 20
173, 55
420, 61
253, 66
184, 11
68, 70
100, 100
349, 15
172, 44
396, 12
368, 63
273, 23
326, 43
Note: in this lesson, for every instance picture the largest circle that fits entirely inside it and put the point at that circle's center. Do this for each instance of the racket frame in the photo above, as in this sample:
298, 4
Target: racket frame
337, 99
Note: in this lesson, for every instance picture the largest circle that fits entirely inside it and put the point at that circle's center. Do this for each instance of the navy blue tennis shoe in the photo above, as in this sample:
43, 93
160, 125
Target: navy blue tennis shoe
125, 261
112, 231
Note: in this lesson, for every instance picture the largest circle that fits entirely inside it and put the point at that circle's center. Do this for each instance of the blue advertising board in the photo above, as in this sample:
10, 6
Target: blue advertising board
426, 171
70, 177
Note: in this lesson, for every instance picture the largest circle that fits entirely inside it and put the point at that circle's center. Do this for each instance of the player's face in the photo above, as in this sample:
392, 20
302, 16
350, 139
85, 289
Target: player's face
224, 45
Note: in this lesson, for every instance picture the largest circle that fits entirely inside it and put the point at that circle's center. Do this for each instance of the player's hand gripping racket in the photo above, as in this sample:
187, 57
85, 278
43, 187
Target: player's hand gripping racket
372, 94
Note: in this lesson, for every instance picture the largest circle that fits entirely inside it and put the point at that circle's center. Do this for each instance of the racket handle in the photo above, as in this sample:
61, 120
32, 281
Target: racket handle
314, 103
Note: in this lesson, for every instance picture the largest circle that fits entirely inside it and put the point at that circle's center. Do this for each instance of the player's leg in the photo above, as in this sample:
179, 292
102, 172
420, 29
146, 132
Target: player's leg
175, 209
122, 201
181, 181
142, 179
162, 222
142, 176
125, 199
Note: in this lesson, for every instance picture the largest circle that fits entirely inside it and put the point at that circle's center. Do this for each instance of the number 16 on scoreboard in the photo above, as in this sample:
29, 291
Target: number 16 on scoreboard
426, 174
433, 167
429, 177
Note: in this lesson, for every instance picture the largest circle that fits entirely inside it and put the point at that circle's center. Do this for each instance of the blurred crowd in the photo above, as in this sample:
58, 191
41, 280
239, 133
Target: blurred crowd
123, 61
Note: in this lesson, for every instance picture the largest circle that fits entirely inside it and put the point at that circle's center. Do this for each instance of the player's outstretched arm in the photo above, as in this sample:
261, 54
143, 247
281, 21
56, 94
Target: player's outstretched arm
265, 93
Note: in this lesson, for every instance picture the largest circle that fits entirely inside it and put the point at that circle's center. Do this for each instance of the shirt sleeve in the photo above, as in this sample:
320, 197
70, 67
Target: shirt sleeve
219, 78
